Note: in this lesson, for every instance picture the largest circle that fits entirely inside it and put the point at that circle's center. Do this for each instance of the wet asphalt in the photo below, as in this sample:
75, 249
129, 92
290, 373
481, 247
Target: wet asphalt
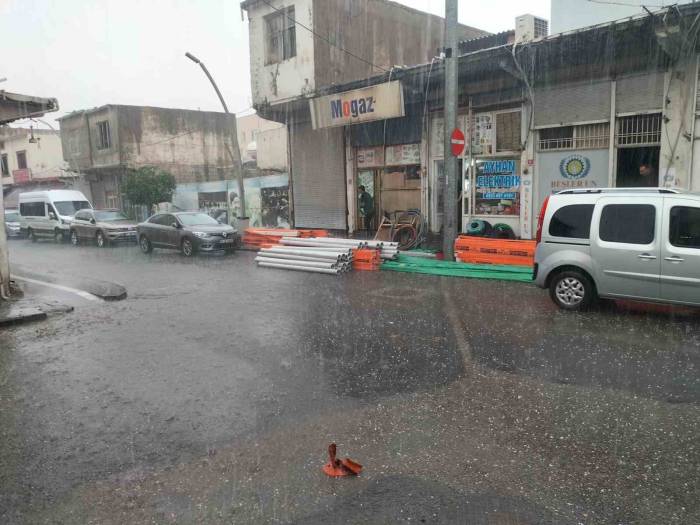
210, 394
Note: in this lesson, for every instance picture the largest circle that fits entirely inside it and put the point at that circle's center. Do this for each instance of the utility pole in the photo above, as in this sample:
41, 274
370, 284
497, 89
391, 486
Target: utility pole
4, 256
235, 159
449, 226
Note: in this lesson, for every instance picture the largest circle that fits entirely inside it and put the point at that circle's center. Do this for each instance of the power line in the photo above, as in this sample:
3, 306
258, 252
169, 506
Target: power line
325, 39
611, 2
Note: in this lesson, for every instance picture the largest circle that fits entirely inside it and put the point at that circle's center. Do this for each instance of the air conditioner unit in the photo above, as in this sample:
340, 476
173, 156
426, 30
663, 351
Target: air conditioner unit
529, 28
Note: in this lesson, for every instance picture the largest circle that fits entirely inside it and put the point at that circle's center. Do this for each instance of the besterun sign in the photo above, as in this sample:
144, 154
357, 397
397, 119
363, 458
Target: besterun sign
378, 102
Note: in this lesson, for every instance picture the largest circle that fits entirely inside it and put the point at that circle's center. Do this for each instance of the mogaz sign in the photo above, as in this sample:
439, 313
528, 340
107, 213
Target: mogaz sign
359, 105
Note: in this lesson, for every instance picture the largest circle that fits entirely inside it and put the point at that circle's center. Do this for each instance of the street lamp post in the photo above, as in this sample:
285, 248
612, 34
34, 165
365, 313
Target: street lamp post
234, 160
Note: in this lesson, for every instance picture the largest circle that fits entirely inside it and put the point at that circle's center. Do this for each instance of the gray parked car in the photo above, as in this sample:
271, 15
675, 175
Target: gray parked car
12, 223
188, 232
102, 226
635, 243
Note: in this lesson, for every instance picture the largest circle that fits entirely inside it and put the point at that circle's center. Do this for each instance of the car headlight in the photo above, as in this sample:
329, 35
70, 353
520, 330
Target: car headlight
201, 235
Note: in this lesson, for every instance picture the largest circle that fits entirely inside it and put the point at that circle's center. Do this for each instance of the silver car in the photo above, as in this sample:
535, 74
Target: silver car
641, 244
12, 219
102, 227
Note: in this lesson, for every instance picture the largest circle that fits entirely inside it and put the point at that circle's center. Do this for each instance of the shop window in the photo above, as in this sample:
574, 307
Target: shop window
497, 188
685, 227
572, 221
628, 223
508, 131
639, 130
585, 136
280, 38
638, 167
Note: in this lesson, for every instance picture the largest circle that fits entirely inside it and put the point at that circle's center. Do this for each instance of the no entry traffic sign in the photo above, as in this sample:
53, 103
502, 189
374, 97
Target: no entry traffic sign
457, 142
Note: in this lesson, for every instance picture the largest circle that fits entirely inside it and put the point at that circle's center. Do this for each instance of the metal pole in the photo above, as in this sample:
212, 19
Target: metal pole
450, 118
235, 160
4, 255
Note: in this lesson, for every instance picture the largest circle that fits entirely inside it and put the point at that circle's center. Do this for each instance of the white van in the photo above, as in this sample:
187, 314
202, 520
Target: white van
49, 213
627, 243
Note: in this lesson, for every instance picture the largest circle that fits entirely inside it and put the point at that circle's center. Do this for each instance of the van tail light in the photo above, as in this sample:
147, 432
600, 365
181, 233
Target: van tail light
540, 220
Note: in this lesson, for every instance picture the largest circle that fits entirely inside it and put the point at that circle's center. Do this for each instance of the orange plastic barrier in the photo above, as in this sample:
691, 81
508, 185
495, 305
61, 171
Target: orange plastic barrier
256, 238
481, 250
367, 259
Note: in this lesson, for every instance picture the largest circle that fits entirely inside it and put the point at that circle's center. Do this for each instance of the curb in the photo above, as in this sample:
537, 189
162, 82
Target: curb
22, 315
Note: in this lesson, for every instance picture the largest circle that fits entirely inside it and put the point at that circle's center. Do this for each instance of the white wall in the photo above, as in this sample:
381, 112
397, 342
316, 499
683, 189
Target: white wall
574, 14
272, 149
289, 78
44, 158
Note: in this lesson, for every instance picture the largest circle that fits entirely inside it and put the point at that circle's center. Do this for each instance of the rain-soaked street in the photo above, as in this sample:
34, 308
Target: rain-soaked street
211, 393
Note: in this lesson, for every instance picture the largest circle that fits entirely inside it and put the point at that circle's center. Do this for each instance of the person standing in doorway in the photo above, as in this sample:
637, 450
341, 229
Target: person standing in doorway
648, 175
366, 205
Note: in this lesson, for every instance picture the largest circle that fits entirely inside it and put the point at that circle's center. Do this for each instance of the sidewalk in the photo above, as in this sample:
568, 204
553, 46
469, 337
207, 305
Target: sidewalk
26, 307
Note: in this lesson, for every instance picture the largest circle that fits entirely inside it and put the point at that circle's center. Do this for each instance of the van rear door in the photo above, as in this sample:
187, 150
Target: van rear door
680, 251
626, 246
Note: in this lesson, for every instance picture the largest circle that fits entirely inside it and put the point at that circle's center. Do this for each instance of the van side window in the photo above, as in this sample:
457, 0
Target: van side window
32, 209
572, 221
684, 231
628, 223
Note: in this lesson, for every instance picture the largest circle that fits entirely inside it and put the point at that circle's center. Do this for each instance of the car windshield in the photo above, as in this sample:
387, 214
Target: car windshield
106, 216
12, 216
196, 219
70, 207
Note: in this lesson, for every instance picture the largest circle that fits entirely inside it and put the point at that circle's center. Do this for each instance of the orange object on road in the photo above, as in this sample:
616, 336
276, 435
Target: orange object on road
481, 250
336, 468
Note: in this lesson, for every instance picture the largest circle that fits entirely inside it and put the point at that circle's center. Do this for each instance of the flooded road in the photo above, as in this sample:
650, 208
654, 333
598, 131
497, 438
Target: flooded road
211, 392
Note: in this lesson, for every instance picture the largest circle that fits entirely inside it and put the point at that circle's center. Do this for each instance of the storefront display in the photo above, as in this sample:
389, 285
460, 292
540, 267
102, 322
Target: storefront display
482, 134
497, 187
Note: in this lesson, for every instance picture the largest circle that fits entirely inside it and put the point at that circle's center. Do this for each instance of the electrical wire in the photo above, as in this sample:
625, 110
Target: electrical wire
325, 39
606, 2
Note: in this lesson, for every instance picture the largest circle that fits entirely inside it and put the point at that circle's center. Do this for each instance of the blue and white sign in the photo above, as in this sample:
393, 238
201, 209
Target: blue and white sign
563, 170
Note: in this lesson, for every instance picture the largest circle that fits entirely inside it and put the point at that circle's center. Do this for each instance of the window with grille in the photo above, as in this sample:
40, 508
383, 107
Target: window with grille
508, 131
639, 130
280, 38
104, 137
585, 136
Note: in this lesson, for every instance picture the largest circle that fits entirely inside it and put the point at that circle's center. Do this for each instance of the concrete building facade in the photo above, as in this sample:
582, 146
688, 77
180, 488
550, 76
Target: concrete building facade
104, 143
29, 156
614, 105
299, 47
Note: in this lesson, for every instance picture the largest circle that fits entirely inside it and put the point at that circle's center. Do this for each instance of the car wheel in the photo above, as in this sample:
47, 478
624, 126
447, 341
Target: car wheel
58, 236
74, 240
145, 244
572, 290
31, 235
187, 247
100, 239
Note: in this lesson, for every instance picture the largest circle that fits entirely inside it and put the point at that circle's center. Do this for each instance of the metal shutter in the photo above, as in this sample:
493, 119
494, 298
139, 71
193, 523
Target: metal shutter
585, 102
639, 93
318, 177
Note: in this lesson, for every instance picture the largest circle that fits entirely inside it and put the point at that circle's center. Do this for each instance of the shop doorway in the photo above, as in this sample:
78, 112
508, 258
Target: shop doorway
638, 167
399, 190
368, 179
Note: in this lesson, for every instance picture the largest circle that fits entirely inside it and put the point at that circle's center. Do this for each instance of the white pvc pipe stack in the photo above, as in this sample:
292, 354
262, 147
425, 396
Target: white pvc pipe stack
320, 254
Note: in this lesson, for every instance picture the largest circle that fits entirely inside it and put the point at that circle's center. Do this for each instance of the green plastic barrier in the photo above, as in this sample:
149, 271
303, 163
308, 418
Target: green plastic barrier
457, 269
